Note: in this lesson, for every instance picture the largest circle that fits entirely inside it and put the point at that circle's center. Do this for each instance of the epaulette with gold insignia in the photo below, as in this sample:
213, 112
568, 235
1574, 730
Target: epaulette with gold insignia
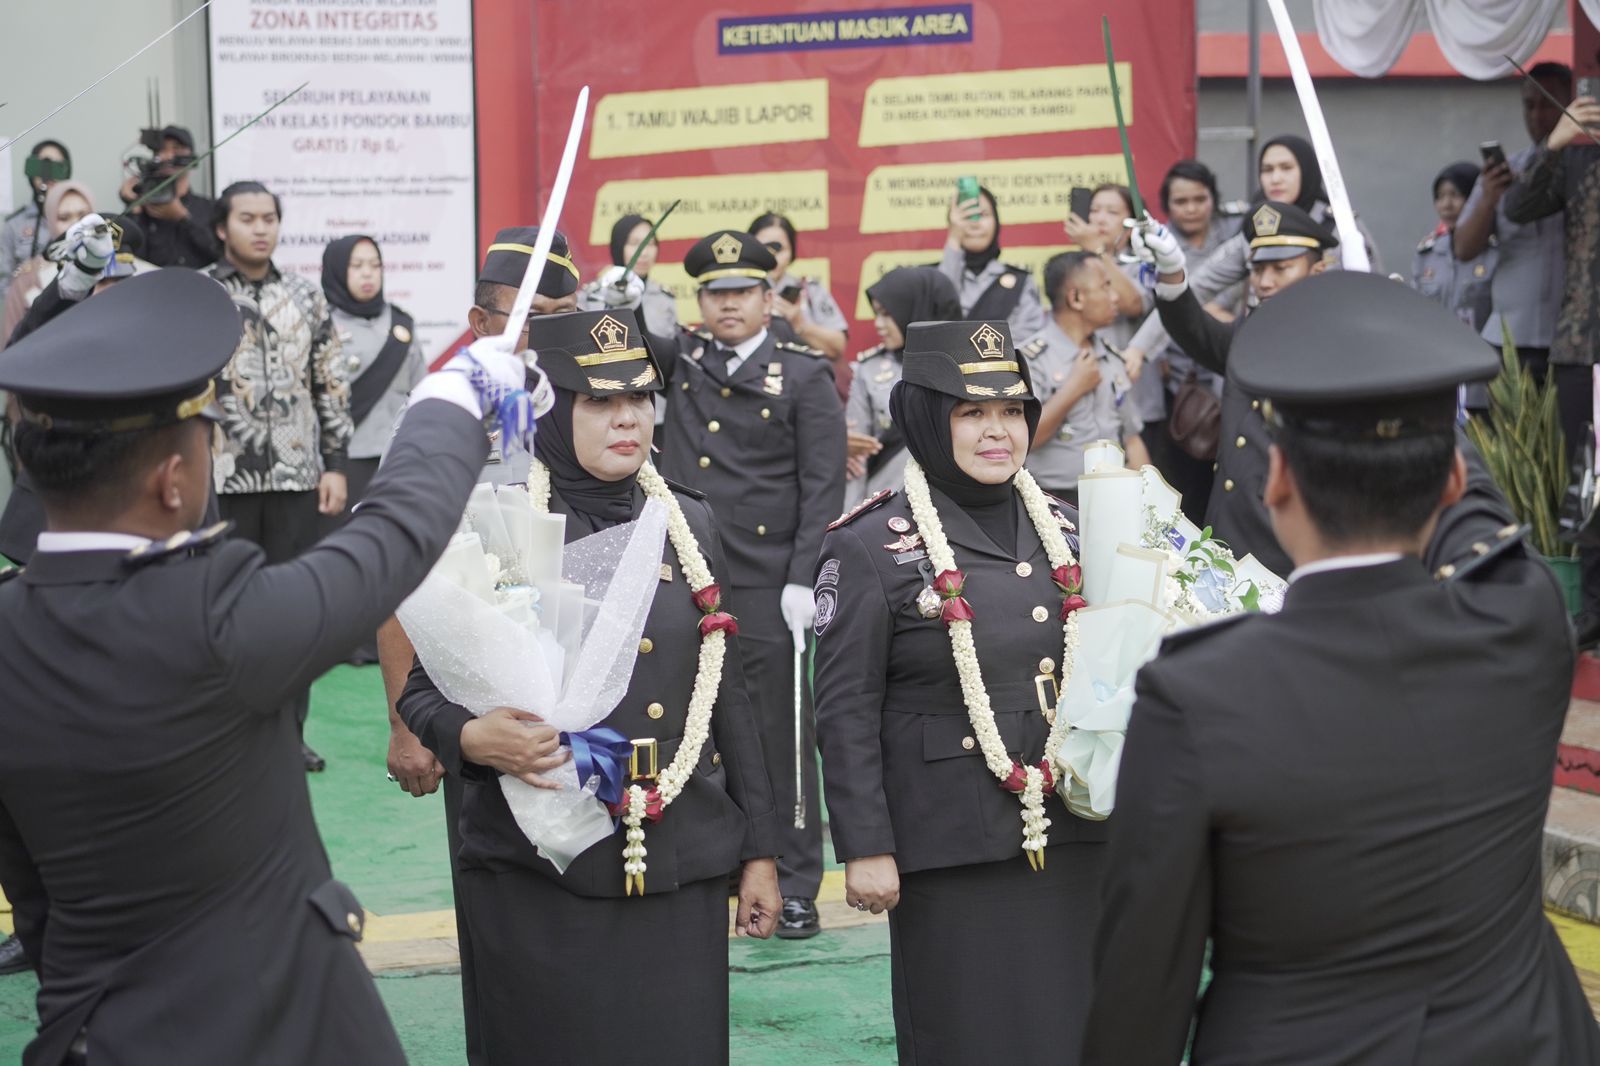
791, 346
678, 486
179, 544
871, 353
9, 573
702, 334
861, 508
1505, 538
1034, 347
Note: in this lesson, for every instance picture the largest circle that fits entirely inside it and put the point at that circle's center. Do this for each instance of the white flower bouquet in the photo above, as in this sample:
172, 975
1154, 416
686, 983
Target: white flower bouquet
1147, 571
511, 617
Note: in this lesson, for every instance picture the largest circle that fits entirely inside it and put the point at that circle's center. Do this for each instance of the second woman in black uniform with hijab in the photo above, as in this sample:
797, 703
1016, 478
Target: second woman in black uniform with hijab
563, 962
945, 625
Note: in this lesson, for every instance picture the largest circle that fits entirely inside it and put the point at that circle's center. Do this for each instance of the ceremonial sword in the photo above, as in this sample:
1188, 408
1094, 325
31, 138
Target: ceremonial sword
799, 736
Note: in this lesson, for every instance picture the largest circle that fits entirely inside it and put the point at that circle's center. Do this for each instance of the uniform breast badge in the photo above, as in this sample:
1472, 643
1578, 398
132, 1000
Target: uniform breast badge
929, 605
773, 385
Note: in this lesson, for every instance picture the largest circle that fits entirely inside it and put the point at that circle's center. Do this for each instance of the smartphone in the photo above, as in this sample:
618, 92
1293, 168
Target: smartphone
1589, 87
792, 293
967, 189
1493, 154
1081, 199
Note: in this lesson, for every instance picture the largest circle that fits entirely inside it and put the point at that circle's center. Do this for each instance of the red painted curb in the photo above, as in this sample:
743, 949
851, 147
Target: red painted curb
1578, 769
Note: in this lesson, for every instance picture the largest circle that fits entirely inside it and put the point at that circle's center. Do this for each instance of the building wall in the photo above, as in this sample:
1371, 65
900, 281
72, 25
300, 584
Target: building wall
50, 49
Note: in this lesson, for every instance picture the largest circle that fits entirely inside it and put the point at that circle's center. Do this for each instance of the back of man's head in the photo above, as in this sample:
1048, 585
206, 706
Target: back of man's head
1364, 490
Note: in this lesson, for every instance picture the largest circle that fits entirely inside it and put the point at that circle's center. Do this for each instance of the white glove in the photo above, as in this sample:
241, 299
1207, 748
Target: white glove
84, 251
628, 294
799, 608
1154, 243
480, 378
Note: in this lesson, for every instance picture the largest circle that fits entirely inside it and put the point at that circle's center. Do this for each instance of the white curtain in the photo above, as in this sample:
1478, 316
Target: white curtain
1366, 37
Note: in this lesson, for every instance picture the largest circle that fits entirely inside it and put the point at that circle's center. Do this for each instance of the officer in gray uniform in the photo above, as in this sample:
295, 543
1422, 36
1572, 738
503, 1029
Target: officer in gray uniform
1463, 287
25, 232
1080, 382
877, 449
156, 836
1350, 805
657, 307
803, 310
989, 288
756, 425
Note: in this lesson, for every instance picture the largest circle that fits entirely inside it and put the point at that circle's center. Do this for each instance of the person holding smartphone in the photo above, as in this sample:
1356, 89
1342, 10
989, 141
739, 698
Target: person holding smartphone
989, 289
803, 310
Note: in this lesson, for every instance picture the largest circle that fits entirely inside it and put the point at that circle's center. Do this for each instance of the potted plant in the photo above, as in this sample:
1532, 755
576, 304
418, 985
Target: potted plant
1522, 444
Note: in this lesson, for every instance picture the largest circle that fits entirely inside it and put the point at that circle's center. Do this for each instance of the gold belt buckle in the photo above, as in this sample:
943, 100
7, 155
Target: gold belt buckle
1043, 683
648, 746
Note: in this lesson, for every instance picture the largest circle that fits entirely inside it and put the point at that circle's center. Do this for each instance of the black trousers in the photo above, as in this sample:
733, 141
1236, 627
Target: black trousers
768, 651
282, 524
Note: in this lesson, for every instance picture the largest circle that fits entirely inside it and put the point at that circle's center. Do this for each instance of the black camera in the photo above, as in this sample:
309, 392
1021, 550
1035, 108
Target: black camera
152, 172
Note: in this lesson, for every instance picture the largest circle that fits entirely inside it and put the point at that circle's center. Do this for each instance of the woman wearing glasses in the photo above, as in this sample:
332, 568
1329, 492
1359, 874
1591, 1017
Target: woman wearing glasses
803, 310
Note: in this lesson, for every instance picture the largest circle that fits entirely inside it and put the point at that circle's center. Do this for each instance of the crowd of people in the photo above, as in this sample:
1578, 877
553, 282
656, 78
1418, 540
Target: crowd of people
202, 499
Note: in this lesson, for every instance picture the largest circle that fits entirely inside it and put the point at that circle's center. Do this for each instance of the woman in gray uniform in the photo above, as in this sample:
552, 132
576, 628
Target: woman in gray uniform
988, 288
1435, 271
803, 310
657, 306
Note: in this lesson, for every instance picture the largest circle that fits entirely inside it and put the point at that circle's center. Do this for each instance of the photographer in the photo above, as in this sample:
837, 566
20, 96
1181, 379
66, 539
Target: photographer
177, 221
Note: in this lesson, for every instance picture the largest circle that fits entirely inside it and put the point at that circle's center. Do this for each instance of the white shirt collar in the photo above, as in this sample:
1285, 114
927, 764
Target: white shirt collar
1344, 562
744, 349
89, 542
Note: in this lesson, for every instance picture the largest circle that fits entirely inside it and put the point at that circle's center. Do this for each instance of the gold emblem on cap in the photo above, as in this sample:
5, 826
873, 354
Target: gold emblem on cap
402, 335
726, 249
646, 376
610, 335
1266, 220
989, 342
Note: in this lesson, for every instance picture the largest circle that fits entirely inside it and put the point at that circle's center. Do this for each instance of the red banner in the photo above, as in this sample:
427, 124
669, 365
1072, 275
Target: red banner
856, 121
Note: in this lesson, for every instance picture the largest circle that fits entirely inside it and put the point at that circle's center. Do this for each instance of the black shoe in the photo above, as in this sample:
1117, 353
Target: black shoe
315, 763
798, 920
12, 960
1587, 625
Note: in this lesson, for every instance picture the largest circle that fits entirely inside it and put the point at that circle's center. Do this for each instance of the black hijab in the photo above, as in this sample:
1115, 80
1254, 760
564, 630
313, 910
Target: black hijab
1311, 190
923, 415
601, 503
619, 237
916, 294
976, 261
1462, 175
336, 277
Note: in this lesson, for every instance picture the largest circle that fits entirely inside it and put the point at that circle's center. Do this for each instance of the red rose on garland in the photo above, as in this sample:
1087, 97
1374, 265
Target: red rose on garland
950, 584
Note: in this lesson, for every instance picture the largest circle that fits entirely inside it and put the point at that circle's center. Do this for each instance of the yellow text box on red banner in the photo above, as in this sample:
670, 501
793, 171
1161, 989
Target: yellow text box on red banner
676, 280
712, 116
907, 197
992, 103
712, 202
878, 264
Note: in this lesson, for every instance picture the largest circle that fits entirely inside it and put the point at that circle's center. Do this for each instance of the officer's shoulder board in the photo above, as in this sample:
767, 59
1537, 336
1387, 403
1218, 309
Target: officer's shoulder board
19, 211
10, 572
877, 499
1035, 348
699, 334
179, 544
1427, 243
871, 353
1481, 552
676, 486
792, 346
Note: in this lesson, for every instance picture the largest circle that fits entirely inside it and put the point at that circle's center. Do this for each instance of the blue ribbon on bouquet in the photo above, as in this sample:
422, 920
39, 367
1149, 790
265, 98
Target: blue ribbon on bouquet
604, 753
512, 409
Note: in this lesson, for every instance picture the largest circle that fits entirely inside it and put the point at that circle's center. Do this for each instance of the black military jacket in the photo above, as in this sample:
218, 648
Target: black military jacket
724, 814
767, 449
1236, 512
1347, 798
156, 837
902, 769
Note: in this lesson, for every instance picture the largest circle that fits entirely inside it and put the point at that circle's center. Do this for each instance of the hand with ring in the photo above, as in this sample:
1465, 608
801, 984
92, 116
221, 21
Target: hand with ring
872, 883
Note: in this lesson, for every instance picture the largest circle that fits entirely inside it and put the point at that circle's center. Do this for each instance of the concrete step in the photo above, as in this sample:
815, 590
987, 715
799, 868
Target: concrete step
1572, 854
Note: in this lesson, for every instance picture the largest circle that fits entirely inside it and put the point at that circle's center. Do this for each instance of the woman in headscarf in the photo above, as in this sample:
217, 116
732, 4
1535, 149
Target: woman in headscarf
657, 307
876, 448
566, 964
803, 310
945, 625
64, 203
1289, 173
988, 288
1435, 271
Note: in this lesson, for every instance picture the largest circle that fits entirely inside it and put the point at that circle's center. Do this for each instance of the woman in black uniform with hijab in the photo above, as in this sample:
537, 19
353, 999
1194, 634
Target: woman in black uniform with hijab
563, 963
944, 630
876, 448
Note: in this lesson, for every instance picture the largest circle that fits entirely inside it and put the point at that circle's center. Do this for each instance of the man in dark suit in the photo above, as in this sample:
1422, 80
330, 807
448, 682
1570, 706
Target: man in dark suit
1347, 797
756, 425
156, 837
1286, 246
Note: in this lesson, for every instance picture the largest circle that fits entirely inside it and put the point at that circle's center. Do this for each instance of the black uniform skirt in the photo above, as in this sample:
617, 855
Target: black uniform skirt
993, 962
569, 979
